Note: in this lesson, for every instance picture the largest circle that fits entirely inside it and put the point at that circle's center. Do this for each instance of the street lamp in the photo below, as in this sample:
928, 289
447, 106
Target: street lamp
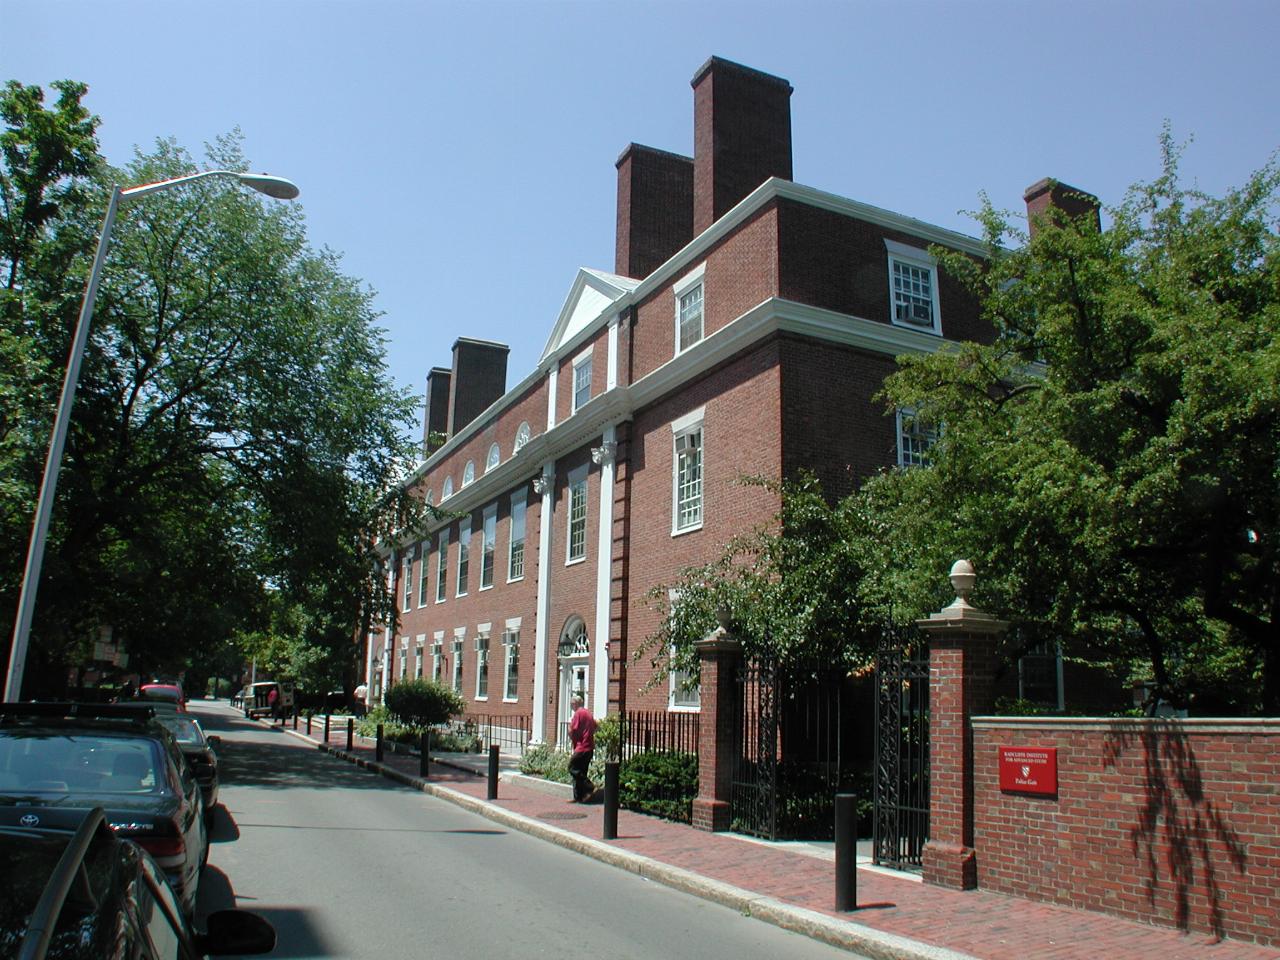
277, 187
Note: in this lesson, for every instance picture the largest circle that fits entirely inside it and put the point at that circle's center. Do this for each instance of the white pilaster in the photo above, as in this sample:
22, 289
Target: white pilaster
604, 455
541, 640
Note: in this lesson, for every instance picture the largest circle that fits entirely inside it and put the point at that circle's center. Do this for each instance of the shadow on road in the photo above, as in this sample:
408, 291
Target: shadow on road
297, 934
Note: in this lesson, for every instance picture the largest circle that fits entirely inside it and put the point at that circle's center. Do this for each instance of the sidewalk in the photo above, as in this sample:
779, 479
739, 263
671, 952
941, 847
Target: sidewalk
793, 885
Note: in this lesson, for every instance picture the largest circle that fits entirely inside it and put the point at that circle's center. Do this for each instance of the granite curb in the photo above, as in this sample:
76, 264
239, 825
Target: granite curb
871, 943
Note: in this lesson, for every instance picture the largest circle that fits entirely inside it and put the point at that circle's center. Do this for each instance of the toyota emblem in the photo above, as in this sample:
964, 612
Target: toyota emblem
29, 820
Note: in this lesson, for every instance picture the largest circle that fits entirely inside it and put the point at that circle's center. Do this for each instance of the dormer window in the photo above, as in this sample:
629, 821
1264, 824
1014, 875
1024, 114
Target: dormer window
913, 288
689, 301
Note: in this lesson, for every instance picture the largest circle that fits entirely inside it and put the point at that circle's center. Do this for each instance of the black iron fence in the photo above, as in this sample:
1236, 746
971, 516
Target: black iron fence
510, 733
901, 816
646, 731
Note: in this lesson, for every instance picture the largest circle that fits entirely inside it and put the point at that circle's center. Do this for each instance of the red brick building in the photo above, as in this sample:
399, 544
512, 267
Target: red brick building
745, 329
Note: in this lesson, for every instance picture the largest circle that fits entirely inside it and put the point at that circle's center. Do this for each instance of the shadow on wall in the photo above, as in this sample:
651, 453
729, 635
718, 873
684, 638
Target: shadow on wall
1177, 819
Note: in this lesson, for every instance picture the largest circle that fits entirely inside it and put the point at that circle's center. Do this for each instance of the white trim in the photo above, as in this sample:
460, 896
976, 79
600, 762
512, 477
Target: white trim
442, 566
919, 259
540, 637
691, 419
553, 378
461, 585
611, 363
482, 633
580, 362
694, 422
518, 496
584, 355
507, 646
512, 624
689, 280
683, 287
490, 513
604, 578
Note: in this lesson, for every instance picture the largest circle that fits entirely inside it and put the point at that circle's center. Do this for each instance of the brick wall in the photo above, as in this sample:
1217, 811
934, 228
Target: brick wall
1172, 821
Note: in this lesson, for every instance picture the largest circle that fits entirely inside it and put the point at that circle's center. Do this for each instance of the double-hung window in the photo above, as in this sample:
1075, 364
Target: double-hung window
424, 551
689, 297
464, 557
515, 552
442, 567
482, 665
406, 581
913, 288
404, 658
915, 438
581, 380
511, 650
459, 641
419, 643
490, 530
437, 656
577, 540
686, 472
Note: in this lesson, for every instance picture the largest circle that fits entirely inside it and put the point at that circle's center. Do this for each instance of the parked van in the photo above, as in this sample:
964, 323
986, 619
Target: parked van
257, 699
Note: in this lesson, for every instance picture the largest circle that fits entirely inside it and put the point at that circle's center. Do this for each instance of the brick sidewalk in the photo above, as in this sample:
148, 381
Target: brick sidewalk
986, 925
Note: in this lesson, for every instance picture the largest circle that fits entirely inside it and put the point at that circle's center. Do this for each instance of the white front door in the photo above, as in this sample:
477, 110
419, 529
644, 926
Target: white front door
574, 676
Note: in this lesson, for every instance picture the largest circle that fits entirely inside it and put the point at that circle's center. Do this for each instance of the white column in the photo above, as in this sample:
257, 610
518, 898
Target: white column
611, 374
553, 377
604, 455
541, 639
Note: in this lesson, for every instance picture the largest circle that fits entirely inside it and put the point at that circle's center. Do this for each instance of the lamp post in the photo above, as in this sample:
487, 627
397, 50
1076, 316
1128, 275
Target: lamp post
277, 187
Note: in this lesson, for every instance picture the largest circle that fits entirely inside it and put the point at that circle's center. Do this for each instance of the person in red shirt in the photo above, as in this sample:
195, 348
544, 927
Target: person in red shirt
582, 734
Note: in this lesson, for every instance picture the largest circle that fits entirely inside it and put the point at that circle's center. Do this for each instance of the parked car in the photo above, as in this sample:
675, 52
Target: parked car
165, 693
58, 760
88, 895
200, 751
257, 701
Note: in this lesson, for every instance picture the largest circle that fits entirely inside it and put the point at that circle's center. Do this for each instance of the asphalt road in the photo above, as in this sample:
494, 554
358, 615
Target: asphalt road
346, 864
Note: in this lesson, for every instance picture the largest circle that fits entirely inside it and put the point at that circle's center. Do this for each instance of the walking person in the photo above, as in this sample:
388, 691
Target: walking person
273, 704
582, 734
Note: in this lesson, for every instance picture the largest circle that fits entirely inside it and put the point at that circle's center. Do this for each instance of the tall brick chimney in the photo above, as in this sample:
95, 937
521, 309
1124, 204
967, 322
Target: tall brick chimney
741, 136
655, 208
436, 417
479, 378
1049, 193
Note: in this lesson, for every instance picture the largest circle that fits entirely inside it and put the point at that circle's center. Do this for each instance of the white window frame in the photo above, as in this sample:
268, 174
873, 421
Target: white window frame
684, 287
459, 645
447, 490
489, 546
469, 473
406, 573
437, 656
424, 551
581, 365
692, 699
493, 458
577, 483
519, 506
404, 659
928, 436
691, 423
482, 661
522, 437
917, 259
420, 642
442, 568
464, 558
511, 661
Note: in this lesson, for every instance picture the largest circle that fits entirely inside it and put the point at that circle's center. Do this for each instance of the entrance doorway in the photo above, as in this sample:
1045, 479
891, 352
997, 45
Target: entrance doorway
574, 653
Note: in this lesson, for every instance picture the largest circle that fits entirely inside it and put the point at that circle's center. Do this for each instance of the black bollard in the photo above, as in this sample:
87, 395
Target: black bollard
846, 852
377, 745
493, 771
295, 718
424, 754
326, 729
351, 736
611, 771
308, 724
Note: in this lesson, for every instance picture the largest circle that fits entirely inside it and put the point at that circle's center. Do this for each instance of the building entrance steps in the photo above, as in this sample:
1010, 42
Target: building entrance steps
792, 885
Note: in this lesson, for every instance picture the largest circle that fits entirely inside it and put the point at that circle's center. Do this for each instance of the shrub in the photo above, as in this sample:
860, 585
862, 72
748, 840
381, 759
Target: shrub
661, 783
392, 727
609, 732
423, 703
547, 762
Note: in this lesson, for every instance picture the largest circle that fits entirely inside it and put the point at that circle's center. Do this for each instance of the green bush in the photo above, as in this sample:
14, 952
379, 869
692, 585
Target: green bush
392, 727
609, 733
660, 783
423, 703
547, 762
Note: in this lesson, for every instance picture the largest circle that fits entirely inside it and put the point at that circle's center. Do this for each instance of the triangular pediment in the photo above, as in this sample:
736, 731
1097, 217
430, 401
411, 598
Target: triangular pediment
590, 298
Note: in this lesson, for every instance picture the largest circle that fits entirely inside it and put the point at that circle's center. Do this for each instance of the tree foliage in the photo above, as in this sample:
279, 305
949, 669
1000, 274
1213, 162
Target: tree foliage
423, 703
1111, 462
234, 448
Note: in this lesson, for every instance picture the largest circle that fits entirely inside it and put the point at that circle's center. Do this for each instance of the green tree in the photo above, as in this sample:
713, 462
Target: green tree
1111, 462
423, 703
235, 447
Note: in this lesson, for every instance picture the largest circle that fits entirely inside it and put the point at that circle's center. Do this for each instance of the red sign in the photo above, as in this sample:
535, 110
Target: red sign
1029, 770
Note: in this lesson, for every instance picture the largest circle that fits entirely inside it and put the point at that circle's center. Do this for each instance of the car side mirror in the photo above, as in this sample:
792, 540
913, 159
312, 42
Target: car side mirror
215, 741
235, 931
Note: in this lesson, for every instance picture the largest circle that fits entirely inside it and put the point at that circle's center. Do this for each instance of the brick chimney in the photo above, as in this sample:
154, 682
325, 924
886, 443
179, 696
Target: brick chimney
479, 378
1049, 193
741, 136
655, 208
436, 417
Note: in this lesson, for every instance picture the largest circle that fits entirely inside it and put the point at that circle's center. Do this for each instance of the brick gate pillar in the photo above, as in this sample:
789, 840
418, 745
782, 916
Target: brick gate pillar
962, 661
719, 655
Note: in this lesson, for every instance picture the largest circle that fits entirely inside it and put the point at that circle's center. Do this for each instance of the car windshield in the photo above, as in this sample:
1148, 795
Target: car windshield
46, 762
185, 730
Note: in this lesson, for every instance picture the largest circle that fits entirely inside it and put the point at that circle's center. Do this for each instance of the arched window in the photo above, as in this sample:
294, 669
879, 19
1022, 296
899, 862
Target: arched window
522, 436
469, 472
447, 490
574, 641
493, 459
431, 496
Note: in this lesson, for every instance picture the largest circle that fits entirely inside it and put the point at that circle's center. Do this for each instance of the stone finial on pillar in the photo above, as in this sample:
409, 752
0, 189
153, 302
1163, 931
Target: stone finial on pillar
962, 662
719, 655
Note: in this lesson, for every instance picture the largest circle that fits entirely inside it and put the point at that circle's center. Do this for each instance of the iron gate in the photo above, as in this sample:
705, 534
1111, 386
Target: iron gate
901, 813
794, 751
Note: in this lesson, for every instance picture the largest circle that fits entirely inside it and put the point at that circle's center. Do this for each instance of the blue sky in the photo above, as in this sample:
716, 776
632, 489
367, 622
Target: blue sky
461, 155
